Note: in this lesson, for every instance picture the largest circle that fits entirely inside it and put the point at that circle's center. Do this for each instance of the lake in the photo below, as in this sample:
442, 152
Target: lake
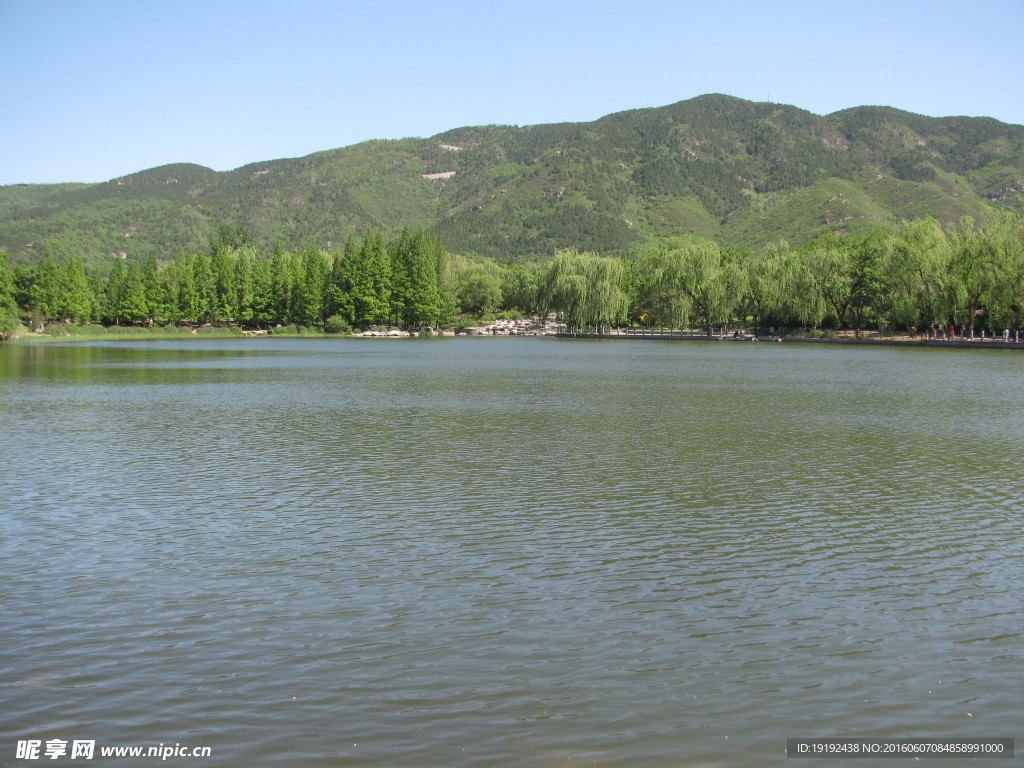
509, 552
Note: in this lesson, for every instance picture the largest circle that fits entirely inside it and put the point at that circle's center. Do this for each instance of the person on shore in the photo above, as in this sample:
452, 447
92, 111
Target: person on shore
1006, 335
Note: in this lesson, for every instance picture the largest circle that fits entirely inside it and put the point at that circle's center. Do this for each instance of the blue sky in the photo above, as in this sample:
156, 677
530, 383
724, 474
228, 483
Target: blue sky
95, 89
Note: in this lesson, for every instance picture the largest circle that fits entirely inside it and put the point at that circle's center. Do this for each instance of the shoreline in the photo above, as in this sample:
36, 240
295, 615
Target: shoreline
846, 338
906, 341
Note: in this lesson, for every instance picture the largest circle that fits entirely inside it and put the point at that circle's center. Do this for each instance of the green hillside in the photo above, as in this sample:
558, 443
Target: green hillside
739, 172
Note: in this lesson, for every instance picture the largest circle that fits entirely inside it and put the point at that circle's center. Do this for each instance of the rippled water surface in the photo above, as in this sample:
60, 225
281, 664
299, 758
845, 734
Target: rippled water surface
511, 552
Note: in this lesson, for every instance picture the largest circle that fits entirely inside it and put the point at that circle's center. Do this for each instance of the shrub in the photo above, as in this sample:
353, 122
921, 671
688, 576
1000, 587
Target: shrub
295, 330
336, 324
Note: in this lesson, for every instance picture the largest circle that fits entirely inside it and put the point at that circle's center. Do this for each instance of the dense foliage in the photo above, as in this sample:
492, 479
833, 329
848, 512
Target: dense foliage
405, 282
968, 275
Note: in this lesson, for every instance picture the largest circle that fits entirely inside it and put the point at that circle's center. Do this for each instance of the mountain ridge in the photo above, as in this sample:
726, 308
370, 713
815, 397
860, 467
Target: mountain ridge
740, 172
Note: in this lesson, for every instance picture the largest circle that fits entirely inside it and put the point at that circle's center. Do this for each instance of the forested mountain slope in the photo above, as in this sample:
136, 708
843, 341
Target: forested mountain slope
738, 172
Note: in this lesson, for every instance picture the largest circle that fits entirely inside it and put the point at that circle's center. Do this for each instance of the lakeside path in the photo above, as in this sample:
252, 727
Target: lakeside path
866, 339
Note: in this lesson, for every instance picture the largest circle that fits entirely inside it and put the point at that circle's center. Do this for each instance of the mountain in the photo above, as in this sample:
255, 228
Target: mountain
739, 172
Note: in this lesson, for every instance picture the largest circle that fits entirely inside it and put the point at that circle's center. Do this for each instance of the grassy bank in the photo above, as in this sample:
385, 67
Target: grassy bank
65, 333
120, 333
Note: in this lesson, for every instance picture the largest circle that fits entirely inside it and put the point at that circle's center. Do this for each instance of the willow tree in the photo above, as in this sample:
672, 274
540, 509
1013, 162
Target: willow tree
773, 284
917, 269
658, 293
584, 289
1006, 294
694, 277
824, 283
972, 261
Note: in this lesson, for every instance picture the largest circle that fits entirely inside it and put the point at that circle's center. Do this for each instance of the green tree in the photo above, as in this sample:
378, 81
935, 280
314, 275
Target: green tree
824, 281
371, 281
973, 257
773, 285
280, 287
310, 287
133, 306
243, 296
868, 295
917, 268
684, 275
1005, 274
264, 302
476, 284
8, 303
339, 284
203, 295
113, 294
519, 287
416, 298
222, 294
659, 295
154, 291
47, 287
184, 300
586, 290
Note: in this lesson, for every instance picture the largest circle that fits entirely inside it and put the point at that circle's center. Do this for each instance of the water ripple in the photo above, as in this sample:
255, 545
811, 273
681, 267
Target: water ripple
513, 552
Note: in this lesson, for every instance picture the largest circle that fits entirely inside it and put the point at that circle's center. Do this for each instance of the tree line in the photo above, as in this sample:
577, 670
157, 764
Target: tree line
970, 274
411, 281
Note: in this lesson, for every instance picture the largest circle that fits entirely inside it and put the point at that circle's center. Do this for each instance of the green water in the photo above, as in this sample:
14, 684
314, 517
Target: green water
514, 552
